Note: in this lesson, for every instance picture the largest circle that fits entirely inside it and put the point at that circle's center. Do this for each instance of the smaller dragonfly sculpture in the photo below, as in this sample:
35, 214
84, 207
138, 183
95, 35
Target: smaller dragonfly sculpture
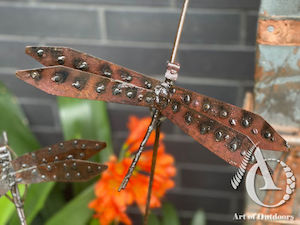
62, 162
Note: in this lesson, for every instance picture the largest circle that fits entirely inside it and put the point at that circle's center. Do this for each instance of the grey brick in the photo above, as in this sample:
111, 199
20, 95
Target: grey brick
117, 2
12, 54
193, 203
251, 29
144, 60
206, 179
218, 64
39, 115
223, 4
192, 152
51, 22
49, 138
22, 89
161, 27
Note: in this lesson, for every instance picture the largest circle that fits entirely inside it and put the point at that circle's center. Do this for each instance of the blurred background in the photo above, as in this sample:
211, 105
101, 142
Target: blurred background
217, 57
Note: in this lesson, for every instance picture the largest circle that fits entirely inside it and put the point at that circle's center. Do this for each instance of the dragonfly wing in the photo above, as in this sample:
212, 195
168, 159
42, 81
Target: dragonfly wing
224, 141
245, 122
73, 149
72, 170
68, 82
51, 56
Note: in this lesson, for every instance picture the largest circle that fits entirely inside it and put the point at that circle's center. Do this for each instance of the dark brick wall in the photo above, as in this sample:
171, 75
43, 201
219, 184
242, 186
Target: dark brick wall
217, 58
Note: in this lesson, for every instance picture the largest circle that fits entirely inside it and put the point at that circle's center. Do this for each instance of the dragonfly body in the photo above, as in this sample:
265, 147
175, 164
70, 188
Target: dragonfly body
225, 129
62, 162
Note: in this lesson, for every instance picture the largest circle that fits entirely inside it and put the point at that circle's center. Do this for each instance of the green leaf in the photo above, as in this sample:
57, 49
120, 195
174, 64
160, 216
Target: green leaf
21, 140
199, 218
94, 222
76, 212
86, 119
153, 220
169, 215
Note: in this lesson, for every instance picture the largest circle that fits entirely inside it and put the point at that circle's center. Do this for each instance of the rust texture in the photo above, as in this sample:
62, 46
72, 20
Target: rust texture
225, 129
281, 32
62, 162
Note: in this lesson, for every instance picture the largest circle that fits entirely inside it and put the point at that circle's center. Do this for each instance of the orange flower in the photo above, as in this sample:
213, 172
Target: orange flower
110, 205
138, 128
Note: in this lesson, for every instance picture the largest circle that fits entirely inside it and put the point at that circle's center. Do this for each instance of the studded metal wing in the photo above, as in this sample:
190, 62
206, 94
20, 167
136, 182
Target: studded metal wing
73, 149
72, 170
68, 82
247, 123
225, 129
51, 56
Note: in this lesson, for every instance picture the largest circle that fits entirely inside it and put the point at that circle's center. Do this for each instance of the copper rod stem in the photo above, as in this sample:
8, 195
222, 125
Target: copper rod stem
179, 31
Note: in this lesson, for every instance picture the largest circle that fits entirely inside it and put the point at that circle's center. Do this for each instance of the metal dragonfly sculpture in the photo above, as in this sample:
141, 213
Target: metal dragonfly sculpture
62, 162
228, 131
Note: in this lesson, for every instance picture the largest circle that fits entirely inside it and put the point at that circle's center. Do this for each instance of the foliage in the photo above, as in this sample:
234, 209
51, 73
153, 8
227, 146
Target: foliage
21, 141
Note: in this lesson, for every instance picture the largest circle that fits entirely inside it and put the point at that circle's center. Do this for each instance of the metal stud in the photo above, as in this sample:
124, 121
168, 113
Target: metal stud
100, 88
35, 75
126, 76
61, 144
149, 99
78, 174
99, 168
233, 146
148, 84
188, 118
232, 122
245, 122
76, 85
61, 60
175, 107
83, 146
82, 65
129, 94
223, 113
267, 134
56, 78
49, 149
117, 90
68, 175
89, 168
40, 52
81, 154
204, 128
219, 135
44, 160
187, 99
206, 107
140, 97
54, 177
24, 165
252, 159
70, 157
49, 168
106, 70
286, 144
97, 146
75, 142
65, 165
254, 131
74, 166
56, 158
43, 177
